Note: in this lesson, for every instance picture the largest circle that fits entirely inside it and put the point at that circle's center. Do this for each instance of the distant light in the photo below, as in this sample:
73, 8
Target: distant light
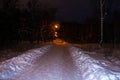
56, 26
56, 34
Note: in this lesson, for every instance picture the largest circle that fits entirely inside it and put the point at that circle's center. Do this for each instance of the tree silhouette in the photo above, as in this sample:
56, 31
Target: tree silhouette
25, 23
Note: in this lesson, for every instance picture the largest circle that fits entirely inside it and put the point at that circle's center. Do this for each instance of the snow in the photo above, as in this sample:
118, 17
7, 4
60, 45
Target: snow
62, 61
93, 67
56, 64
13, 66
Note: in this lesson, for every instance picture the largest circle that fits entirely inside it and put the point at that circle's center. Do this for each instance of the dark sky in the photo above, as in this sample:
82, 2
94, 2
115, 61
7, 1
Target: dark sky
76, 10
71, 10
79, 10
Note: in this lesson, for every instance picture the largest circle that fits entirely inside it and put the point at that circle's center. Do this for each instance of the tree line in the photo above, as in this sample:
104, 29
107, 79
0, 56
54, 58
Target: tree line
17, 24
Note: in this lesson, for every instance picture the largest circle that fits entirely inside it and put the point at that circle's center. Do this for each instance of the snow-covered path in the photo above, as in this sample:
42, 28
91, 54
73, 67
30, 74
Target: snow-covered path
59, 61
56, 64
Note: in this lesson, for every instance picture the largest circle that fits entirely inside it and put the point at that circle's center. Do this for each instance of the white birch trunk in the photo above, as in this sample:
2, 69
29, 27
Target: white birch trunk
101, 19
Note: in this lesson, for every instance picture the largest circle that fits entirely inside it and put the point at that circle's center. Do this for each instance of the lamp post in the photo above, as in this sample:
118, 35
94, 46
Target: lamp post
55, 28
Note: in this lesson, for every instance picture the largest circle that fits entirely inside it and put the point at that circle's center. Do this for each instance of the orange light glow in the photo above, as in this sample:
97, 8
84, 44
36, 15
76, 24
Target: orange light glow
56, 26
56, 34
59, 42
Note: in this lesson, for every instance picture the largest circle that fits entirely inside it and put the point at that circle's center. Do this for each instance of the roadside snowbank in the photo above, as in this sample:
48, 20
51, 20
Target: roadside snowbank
93, 66
13, 66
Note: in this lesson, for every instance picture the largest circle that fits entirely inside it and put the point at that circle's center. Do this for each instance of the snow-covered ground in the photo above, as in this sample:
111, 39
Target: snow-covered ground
94, 66
62, 61
14, 65
19, 49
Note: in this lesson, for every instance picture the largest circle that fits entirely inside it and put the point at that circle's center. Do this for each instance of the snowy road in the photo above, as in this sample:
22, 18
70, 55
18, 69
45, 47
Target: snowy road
59, 61
56, 64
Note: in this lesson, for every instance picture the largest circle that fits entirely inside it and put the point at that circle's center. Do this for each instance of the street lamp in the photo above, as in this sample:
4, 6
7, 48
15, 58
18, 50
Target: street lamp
56, 26
56, 34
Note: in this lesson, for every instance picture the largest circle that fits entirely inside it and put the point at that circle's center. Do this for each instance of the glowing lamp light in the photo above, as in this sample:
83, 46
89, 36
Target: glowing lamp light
56, 26
56, 34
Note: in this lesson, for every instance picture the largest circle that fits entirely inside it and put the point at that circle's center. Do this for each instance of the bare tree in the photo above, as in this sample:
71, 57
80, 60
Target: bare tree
102, 13
41, 17
7, 4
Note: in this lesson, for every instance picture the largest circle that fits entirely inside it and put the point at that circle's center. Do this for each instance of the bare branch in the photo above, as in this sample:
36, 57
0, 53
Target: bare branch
103, 2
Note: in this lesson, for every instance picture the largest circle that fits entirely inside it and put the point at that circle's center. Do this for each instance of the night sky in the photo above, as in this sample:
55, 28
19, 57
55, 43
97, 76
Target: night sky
79, 10
70, 10
76, 10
